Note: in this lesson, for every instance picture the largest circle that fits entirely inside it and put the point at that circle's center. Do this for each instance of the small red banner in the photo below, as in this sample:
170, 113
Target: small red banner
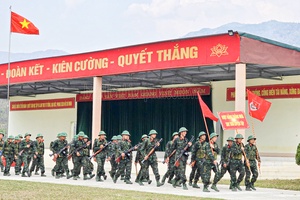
233, 120
147, 94
270, 91
43, 104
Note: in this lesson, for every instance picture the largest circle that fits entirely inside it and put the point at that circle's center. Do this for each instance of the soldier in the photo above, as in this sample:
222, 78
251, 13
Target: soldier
252, 155
100, 157
150, 160
9, 153
18, 158
111, 156
79, 160
1, 149
202, 154
225, 160
216, 150
39, 160
62, 158
27, 151
86, 152
178, 145
170, 160
138, 159
119, 138
126, 161
236, 163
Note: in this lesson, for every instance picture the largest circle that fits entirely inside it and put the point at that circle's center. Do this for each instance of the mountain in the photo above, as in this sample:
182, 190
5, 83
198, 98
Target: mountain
285, 32
28, 56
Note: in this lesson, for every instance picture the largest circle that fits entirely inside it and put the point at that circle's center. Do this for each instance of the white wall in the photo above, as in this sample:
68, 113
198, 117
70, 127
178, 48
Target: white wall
47, 122
279, 133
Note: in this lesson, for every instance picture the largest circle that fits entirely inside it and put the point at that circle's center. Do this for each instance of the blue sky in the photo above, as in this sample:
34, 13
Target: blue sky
88, 25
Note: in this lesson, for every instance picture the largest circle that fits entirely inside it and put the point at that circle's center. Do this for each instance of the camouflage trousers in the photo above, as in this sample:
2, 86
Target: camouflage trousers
78, 162
180, 171
145, 169
195, 170
114, 167
9, 160
39, 163
141, 174
204, 169
236, 165
253, 170
26, 159
61, 165
220, 174
124, 167
100, 165
171, 170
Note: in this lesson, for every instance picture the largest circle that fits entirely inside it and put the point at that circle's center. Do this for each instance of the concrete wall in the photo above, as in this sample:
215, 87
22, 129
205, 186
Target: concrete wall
47, 122
279, 133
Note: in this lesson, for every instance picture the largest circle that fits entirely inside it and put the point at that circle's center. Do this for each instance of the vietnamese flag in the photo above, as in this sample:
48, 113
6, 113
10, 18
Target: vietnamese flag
22, 25
257, 106
205, 110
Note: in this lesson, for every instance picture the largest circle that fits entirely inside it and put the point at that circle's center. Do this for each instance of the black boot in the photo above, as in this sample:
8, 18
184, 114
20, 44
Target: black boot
163, 179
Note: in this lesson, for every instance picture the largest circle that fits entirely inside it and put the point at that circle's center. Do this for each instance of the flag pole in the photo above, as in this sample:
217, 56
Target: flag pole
8, 70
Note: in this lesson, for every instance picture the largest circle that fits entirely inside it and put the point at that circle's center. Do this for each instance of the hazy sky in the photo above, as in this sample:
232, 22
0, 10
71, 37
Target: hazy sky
87, 25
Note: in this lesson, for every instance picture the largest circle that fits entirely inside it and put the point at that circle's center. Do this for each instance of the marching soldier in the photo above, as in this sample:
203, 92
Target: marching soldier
236, 163
9, 153
126, 161
252, 155
18, 158
1, 149
171, 161
178, 145
39, 160
27, 151
225, 160
150, 160
61, 158
86, 153
216, 150
100, 157
138, 159
204, 158
111, 156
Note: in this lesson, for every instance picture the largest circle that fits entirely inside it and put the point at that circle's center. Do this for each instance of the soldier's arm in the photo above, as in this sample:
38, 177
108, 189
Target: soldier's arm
209, 153
194, 150
96, 146
167, 151
216, 148
257, 155
174, 145
143, 149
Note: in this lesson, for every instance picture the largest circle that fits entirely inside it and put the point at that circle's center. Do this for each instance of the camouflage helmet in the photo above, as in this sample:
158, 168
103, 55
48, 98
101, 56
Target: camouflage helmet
230, 139
152, 132
58, 135
182, 129
101, 133
39, 135
251, 137
213, 135
20, 136
114, 138
239, 136
75, 137
119, 137
125, 133
1, 132
85, 136
11, 137
201, 133
175, 133
144, 136
26, 134
17, 137
81, 134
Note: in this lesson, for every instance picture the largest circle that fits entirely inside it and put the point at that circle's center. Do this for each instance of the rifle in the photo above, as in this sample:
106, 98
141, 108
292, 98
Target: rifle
21, 152
118, 159
192, 164
152, 150
78, 149
61, 150
100, 150
177, 162
168, 158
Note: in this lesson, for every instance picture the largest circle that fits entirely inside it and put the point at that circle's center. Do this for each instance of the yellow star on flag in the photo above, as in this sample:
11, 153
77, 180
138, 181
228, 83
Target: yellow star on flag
25, 23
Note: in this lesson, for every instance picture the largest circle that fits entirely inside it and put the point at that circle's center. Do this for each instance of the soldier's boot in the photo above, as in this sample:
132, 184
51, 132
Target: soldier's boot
105, 177
122, 178
43, 174
230, 186
2, 169
248, 188
17, 173
205, 188
52, 172
214, 187
184, 186
158, 184
36, 173
115, 178
28, 174
149, 181
57, 176
163, 180
69, 175
191, 182
24, 175
139, 181
174, 183
85, 177
128, 182
252, 186
238, 187
75, 178
195, 185
91, 175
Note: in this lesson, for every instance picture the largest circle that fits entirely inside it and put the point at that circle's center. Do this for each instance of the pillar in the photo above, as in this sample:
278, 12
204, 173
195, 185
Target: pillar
240, 90
97, 103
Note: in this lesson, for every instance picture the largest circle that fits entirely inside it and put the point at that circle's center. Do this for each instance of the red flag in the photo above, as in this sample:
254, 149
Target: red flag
205, 110
257, 106
20, 24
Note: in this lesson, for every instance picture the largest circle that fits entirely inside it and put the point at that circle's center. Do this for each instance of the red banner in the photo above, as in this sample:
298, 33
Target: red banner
147, 94
270, 91
43, 104
217, 49
233, 120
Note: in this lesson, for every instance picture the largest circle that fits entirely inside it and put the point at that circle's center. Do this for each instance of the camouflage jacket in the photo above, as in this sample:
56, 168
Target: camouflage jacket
123, 147
168, 150
236, 151
1, 144
112, 150
179, 145
57, 145
27, 150
9, 149
202, 150
225, 154
96, 147
252, 152
40, 148
146, 147
79, 146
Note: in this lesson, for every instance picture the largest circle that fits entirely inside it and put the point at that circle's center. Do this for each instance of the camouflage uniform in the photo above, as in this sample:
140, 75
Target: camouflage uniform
39, 160
138, 159
9, 152
1, 152
27, 155
112, 154
195, 170
18, 158
86, 154
252, 155
79, 160
236, 164
100, 158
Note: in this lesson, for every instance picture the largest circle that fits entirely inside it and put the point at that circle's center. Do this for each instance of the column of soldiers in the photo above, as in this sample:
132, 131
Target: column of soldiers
235, 157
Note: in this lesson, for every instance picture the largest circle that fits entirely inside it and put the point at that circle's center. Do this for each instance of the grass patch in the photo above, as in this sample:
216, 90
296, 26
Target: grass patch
293, 184
32, 190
